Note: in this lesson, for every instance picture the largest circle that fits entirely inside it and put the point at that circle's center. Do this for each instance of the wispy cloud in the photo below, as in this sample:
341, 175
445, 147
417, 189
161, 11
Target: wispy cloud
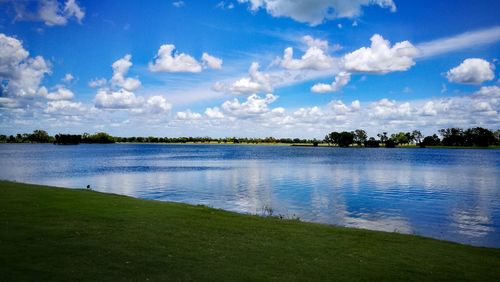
459, 42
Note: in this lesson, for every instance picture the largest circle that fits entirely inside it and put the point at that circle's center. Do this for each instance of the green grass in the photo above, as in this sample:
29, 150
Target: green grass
74, 235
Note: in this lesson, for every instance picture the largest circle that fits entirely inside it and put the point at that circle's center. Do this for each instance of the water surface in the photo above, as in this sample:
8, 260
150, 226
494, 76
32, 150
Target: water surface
447, 194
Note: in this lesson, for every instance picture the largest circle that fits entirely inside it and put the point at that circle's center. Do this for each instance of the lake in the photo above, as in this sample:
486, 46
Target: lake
450, 194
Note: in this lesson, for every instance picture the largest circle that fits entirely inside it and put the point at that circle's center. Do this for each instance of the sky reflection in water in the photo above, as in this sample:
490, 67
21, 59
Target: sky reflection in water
441, 193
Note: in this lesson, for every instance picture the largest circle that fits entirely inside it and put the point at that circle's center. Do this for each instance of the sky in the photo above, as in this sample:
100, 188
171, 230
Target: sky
248, 68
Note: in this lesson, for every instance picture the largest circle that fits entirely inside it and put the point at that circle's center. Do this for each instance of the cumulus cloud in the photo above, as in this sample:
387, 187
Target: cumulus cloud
471, 71
317, 11
153, 105
60, 93
121, 99
314, 58
339, 108
255, 82
254, 106
214, 113
68, 77
341, 80
21, 73
315, 42
488, 91
120, 68
50, 12
118, 93
212, 62
64, 108
380, 57
167, 60
188, 115
386, 108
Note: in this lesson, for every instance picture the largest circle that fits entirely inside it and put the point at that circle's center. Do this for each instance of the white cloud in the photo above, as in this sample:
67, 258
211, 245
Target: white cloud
157, 105
68, 77
314, 58
61, 93
389, 109
64, 108
339, 108
188, 115
212, 62
23, 74
167, 60
380, 57
471, 71
315, 42
10, 103
121, 99
120, 68
254, 106
71, 8
488, 92
214, 113
341, 80
428, 109
255, 82
98, 82
154, 105
314, 112
317, 11
459, 42
51, 12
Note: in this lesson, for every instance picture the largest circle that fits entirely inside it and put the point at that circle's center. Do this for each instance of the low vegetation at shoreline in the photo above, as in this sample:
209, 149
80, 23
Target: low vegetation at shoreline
451, 137
64, 234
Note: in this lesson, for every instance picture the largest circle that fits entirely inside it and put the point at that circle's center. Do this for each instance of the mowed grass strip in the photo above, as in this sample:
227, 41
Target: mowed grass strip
63, 234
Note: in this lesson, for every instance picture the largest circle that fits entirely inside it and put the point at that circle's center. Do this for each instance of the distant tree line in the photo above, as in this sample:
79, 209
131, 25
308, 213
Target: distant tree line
473, 137
477, 136
41, 136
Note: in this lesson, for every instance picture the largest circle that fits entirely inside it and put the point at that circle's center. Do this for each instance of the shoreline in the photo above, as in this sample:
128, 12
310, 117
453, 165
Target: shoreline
278, 144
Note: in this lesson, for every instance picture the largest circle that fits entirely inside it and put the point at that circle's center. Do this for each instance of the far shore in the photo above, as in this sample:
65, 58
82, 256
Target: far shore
289, 144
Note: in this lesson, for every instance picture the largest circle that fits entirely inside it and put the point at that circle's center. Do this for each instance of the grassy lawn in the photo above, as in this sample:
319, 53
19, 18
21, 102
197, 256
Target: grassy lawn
71, 235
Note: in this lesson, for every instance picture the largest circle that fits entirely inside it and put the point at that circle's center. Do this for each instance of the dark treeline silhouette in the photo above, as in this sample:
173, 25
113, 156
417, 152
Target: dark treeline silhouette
473, 137
477, 137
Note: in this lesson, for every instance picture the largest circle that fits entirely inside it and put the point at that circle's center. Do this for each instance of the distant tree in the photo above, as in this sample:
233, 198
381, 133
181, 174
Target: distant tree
478, 137
67, 139
452, 136
360, 136
417, 136
400, 138
3, 138
383, 137
19, 138
431, 140
39, 136
497, 137
390, 143
372, 143
346, 139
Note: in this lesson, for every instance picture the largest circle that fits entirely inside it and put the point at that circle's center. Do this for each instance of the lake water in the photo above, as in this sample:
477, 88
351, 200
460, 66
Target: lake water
442, 193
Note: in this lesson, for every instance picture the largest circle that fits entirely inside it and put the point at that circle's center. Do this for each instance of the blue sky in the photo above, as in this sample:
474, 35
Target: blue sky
218, 68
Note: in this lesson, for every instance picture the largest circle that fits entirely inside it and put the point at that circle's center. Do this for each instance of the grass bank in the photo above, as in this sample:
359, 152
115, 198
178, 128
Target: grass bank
62, 234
